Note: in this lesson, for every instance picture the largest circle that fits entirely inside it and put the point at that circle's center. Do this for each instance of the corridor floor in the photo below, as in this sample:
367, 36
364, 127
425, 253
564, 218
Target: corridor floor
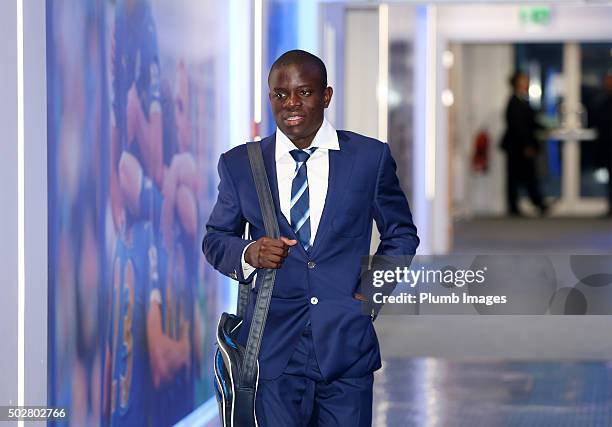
501, 370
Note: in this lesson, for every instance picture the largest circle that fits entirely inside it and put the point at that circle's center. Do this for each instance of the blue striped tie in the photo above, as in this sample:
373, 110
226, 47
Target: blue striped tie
300, 200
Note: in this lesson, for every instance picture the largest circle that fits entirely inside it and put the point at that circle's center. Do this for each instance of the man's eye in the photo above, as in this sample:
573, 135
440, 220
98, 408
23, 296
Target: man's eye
279, 95
306, 93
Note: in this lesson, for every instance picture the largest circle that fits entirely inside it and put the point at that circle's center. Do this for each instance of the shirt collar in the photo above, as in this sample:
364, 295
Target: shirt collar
326, 138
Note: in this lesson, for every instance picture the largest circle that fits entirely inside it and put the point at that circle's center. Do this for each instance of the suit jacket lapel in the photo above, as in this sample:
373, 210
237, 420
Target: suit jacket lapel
340, 169
268, 147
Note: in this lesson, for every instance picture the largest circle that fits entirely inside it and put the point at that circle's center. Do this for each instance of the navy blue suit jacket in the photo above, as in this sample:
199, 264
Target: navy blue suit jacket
362, 186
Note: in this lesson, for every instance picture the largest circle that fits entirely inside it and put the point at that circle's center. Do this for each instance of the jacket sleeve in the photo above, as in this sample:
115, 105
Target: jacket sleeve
398, 234
223, 243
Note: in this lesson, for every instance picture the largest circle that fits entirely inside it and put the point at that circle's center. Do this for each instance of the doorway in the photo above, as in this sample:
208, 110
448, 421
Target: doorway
565, 87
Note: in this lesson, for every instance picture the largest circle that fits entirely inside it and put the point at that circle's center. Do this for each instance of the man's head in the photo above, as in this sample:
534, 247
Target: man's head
520, 83
298, 95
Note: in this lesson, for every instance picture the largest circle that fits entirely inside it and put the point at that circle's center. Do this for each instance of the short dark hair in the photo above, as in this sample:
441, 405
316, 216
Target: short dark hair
301, 57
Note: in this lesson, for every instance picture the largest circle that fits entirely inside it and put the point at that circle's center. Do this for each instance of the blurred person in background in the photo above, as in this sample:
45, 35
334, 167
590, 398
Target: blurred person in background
603, 123
521, 146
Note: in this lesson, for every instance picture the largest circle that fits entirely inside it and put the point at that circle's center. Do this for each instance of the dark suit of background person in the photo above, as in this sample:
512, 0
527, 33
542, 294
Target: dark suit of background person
319, 348
521, 146
603, 122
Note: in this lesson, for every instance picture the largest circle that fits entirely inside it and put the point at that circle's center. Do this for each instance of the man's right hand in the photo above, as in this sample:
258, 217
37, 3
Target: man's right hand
268, 253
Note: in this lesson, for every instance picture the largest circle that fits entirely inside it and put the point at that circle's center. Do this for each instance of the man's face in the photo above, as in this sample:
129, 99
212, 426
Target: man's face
298, 100
522, 84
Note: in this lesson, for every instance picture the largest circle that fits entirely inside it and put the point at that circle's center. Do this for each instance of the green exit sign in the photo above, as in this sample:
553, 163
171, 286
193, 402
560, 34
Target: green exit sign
535, 15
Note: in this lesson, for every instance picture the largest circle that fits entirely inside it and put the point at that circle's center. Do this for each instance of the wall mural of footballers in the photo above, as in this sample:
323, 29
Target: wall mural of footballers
132, 178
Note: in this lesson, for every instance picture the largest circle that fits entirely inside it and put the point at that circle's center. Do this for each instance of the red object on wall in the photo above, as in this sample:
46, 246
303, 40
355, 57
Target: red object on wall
480, 159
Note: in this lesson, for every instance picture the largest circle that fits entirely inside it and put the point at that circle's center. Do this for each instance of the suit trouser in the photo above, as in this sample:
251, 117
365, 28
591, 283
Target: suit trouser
301, 397
522, 172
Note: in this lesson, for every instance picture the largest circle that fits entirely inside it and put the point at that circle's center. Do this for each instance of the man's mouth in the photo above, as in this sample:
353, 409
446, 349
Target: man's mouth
294, 120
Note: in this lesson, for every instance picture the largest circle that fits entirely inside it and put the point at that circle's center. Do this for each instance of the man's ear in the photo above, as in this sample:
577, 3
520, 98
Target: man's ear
327, 96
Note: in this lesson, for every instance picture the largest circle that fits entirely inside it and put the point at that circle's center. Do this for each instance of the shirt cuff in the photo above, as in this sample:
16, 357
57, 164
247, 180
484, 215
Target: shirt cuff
247, 269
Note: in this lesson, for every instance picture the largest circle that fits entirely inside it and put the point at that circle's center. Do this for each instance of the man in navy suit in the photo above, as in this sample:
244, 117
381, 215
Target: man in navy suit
319, 349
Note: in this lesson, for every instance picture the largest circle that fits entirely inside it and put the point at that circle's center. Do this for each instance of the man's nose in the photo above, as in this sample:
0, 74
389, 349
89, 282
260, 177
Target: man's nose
293, 101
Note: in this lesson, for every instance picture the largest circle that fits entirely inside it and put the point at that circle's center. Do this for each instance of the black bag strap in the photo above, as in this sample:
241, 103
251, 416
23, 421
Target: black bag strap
243, 288
243, 298
248, 372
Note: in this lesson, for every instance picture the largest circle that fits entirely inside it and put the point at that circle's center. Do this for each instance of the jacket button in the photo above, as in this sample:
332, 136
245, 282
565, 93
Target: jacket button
314, 300
311, 264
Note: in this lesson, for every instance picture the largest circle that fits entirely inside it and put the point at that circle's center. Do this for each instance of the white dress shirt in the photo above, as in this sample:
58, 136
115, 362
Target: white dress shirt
317, 168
